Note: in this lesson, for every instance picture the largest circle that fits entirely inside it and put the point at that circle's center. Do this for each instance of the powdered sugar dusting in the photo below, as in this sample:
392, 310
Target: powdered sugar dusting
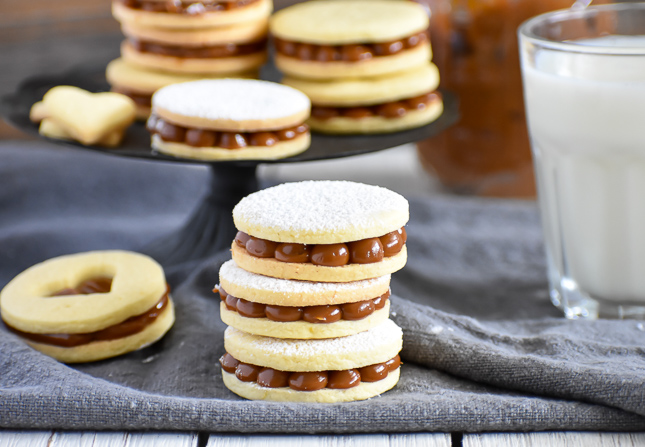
234, 274
231, 99
372, 339
316, 207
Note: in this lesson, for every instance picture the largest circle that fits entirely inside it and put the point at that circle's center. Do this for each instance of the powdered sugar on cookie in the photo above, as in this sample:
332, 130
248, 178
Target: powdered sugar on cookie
321, 212
231, 99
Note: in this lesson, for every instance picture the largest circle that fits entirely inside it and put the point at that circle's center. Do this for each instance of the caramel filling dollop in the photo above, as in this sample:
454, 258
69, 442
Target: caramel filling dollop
140, 99
323, 314
365, 251
349, 52
205, 52
393, 109
131, 326
227, 140
308, 381
186, 7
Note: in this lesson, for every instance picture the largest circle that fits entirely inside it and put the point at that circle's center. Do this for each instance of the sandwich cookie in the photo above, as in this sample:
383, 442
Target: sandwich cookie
285, 308
229, 119
234, 49
89, 306
328, 231
373, 105
342, 369
350, 38
139, 83
187, 14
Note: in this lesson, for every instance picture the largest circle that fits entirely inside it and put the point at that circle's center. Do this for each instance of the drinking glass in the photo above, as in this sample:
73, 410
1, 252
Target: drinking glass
583, 72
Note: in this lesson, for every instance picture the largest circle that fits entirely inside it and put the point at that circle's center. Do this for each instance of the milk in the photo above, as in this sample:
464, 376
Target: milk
586, 117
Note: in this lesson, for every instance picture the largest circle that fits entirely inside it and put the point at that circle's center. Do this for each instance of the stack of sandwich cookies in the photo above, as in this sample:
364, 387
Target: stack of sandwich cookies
365, 65
89, 306
229, 119
306, 296
169, 42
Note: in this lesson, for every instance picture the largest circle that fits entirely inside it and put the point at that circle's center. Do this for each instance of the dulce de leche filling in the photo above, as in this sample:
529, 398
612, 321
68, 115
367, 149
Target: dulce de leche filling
308, 381
323, 314
204, 52
226, 140
140, 99
365, 251
393, 109
126, 328
186, 7
349, 52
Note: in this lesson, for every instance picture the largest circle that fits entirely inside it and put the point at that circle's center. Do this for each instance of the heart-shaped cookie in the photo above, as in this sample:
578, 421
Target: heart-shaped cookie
88, 117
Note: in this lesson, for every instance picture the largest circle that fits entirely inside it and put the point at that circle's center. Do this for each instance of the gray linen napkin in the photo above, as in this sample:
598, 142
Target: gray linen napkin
483, 348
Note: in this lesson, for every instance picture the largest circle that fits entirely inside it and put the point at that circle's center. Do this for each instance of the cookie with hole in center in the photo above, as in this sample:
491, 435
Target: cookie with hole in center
89, 306
350, 38
342, 369
229, 119
283, 308
328, 231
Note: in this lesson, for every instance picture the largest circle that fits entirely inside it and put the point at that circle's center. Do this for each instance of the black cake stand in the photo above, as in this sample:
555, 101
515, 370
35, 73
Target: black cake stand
209, 228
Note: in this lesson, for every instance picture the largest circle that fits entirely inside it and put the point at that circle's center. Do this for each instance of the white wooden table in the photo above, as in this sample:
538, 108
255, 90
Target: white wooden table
113, 439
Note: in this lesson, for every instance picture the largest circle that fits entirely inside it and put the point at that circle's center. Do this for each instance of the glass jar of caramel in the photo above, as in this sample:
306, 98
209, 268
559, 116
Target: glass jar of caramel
475, 47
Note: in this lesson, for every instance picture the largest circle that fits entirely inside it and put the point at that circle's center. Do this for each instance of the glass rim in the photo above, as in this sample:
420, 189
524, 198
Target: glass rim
527, 29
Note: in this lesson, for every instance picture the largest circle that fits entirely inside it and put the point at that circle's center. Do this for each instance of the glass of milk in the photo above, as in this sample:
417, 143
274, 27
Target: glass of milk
584, 87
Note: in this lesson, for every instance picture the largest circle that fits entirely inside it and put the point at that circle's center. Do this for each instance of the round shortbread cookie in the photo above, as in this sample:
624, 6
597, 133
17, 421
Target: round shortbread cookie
282, 149
377, 345
302, 329
232, 105
312, 272
138, 282
120, 73
250, 13
321, 212
100, 350
365, 390
337, 22
378, 124
281, 292
377, 66
368, 91
235, 34
206, 66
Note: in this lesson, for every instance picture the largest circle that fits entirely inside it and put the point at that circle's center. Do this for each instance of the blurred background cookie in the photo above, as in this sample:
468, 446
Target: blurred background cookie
89, 306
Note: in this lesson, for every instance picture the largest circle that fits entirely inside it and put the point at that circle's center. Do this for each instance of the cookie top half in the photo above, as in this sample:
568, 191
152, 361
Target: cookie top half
337, 22
231, 104
321, 212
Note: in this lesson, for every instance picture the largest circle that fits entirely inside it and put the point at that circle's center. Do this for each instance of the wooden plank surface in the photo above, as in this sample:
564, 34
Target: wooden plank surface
379, 440
95, 439
555, 439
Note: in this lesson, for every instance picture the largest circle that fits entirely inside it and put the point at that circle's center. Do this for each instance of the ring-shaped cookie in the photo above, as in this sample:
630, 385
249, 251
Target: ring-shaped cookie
138, 283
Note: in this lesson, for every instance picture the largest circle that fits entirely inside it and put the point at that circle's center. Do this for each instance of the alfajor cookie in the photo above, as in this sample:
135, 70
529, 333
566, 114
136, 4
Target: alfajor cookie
342, 369
283, 308
211, 51
139, 83
189, 14
89, 306
350, 38
329, 231
229, 119
373, 105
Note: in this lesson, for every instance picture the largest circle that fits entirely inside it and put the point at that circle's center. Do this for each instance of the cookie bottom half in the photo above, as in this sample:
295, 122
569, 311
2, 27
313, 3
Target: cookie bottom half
302, 329
365, 390
282, 149
377, 124
100, 350
212, 66
311, 272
